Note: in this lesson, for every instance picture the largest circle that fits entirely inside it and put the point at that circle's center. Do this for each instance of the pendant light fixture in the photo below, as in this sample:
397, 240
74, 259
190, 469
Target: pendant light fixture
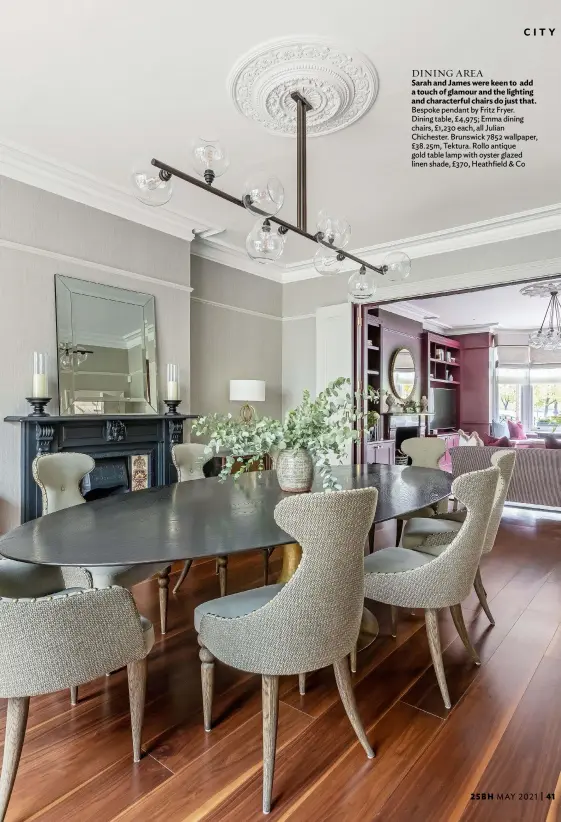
548, 336
263, 197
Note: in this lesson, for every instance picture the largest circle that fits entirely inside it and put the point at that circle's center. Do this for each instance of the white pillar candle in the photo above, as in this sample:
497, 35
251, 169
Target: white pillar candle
39, 386
173, 390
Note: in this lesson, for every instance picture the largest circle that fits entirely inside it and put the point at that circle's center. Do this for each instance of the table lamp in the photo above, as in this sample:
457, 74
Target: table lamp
246, 392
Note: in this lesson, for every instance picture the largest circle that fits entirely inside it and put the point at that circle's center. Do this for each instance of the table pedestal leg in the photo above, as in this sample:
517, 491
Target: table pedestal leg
292, 554
369, 630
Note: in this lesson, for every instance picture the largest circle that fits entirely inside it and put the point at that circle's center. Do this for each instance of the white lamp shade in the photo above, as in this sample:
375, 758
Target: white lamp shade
247, 390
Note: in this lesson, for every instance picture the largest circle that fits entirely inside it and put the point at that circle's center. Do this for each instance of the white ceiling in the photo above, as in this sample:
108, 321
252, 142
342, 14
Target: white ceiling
502, 307
105, 86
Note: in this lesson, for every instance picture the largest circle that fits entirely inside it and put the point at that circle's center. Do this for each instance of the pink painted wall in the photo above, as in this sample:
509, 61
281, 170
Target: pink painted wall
475, 388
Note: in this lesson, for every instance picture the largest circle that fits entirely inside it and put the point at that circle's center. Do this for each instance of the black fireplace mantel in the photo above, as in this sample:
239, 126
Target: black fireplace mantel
101, 436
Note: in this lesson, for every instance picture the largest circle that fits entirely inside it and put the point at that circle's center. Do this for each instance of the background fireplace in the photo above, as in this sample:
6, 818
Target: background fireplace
131, 451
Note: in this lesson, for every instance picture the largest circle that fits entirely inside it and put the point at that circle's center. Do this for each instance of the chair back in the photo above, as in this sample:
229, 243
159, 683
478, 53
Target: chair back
425, 452
504, 460
447, 580
315, 618
59, 477
189, 458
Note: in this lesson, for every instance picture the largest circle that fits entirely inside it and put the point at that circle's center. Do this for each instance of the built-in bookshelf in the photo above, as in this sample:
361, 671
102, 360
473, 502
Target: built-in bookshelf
442, 367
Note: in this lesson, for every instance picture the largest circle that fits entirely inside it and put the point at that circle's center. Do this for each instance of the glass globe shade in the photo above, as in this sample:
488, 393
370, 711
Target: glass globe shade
150, 189
326, 262
263, 243
263, 196
399, 266
336, 231
362, 286
210, 158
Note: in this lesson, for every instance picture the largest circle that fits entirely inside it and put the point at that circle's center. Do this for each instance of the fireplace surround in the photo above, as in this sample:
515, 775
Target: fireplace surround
115, 442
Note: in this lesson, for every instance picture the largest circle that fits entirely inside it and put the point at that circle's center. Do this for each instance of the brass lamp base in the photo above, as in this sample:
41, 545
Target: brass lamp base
247, 412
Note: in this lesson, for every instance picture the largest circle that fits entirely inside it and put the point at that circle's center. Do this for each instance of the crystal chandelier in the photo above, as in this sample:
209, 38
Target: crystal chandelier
548, 336
263, 197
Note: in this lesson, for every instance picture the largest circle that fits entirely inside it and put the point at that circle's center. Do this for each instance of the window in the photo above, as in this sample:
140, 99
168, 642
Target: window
509, 401
531, 395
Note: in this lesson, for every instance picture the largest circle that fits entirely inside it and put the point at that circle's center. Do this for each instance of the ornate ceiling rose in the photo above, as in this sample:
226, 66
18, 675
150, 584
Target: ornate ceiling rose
340, 84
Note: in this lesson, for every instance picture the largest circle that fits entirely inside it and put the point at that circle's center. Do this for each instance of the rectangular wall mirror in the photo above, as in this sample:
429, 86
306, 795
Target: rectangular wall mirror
106, 347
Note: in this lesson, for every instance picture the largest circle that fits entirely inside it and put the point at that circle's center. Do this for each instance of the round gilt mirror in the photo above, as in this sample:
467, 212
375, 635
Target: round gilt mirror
402, 374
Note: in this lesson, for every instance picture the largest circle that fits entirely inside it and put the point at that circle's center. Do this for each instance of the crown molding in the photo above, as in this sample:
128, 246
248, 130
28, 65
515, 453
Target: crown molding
484, 232
34, 169
108, 269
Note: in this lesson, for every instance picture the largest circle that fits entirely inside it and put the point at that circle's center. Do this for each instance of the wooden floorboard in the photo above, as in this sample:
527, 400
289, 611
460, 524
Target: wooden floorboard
501, 736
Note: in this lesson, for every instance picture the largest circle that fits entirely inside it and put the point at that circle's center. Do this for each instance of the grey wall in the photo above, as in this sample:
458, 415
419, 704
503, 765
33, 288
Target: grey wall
236, 333
89, 244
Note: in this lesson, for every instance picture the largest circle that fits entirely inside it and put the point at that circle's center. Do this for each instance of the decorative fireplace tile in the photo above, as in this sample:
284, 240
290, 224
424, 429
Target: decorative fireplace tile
140, 471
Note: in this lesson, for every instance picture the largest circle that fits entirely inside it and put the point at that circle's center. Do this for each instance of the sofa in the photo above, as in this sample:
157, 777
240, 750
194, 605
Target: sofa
536, 479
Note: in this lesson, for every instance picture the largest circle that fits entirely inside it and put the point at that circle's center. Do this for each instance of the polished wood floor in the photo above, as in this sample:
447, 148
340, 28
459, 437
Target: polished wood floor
502, 736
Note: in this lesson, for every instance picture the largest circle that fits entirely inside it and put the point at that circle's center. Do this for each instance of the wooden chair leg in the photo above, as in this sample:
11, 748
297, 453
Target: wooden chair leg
74, 695
163, 582
223, 575
346, 693
16, 721
394, 614
302, 684
400, 524
185, 570
431, 620
136, 672
353, 658
458, 617
270, 696
207, 682
482, 596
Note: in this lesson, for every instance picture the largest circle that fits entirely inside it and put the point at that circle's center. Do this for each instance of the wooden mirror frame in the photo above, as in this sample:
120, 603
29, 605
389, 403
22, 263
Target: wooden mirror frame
391, 377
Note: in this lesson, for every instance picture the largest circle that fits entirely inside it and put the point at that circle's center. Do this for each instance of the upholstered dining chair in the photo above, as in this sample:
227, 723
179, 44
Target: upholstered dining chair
59, 477
189, 458
310, 622
415, 579
425, 452
418, 532
61, 641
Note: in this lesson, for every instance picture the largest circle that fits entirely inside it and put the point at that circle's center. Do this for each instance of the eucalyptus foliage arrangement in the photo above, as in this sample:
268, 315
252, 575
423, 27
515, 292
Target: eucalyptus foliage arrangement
323, 427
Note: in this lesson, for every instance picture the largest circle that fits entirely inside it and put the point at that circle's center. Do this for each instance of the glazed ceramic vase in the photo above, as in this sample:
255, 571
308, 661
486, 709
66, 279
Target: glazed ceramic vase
295, 470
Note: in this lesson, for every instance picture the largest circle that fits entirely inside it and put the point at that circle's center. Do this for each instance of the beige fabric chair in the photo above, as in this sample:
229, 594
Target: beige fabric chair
62, 641
418, 531
411, 579
310, 622
425, 452
188, 458
59, 477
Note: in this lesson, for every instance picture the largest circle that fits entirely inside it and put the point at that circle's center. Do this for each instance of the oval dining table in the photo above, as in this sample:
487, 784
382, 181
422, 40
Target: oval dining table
206, 518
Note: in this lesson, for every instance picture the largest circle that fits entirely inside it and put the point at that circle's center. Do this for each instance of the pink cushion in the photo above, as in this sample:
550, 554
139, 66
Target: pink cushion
498, 442
516, 430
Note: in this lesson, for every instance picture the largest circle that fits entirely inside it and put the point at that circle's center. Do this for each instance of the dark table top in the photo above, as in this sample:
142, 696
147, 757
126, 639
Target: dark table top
199, 518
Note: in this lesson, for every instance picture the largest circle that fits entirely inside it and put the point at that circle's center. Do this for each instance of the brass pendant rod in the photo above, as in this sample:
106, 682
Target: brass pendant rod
167, 172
